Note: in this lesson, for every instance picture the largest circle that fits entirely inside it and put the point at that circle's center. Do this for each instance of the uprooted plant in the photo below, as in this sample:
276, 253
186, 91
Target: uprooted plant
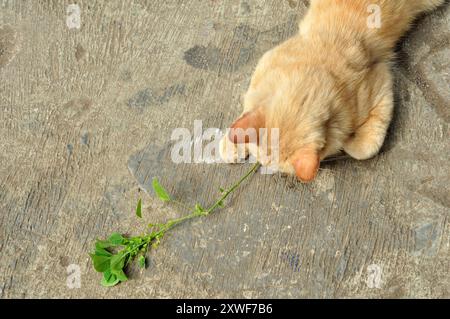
111, 256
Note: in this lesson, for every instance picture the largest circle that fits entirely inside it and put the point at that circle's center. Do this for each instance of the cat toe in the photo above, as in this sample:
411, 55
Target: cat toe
361, 150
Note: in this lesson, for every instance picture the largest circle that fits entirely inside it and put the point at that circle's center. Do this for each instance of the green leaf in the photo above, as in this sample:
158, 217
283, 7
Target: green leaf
121, 275
117, 262
102, 252
117, 265
221, 190
139, 208
100, 246
141, 261
160, 191
116, 239
101, 263
109, 279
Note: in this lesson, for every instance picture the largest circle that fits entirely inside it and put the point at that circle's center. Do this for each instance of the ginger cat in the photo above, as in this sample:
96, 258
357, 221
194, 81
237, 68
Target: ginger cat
327, 89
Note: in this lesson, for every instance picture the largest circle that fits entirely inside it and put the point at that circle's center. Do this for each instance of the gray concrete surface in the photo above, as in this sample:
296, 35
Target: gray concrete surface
86, 117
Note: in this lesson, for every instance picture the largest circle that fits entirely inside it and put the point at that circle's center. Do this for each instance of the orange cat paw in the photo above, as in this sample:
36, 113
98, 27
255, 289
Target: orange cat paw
361, 149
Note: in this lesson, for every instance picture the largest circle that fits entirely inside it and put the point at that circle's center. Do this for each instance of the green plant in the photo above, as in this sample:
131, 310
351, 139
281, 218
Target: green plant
111, 256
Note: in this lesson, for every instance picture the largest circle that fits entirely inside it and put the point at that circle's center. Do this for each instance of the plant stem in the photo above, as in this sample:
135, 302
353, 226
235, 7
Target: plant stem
174, 222
232, 188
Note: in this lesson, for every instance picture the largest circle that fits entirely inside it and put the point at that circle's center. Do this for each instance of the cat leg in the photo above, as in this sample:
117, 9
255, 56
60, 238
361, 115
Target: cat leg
369, 137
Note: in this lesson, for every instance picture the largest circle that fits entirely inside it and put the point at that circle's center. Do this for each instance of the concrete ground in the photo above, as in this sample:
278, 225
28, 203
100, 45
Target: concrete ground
86, 119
